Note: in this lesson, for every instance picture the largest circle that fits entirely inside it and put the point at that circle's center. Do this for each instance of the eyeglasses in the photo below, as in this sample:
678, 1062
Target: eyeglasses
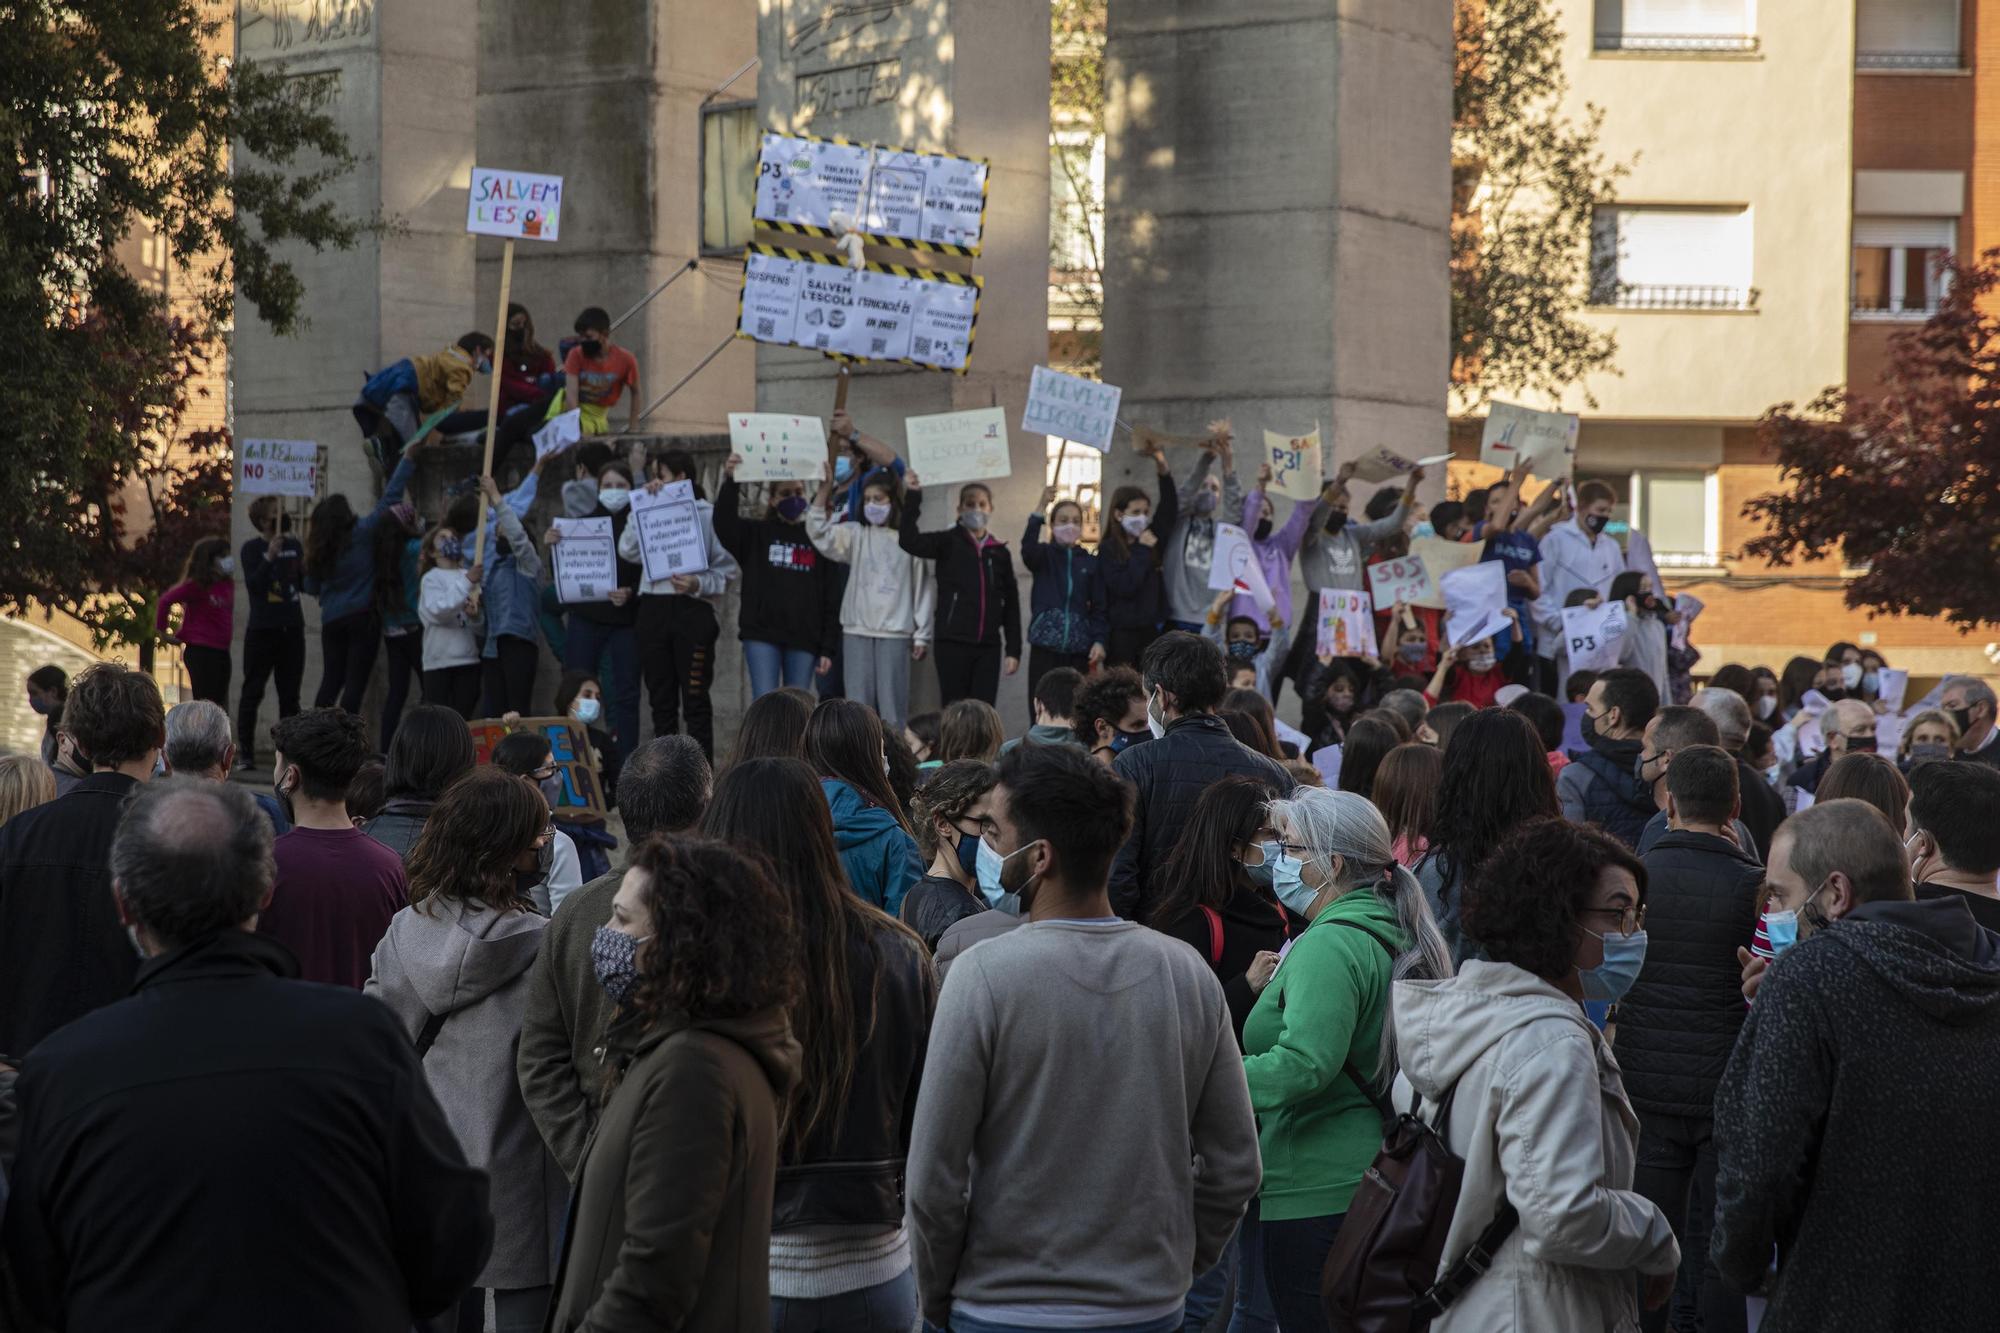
1630, 919
1296, 850
544, 774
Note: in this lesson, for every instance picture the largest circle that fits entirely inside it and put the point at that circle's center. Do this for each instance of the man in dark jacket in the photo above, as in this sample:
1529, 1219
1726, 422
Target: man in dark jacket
62, 952
1853, 1125
1601, 785
1679, 1022
663, 788
1673, 729
1185, 680
227, 1149
1763, 808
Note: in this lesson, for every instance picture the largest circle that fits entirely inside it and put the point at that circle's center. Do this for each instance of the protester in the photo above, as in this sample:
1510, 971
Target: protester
1412, 707
1849, 727
1256, 705
1188, 547
1110, 714
25, 782
366, 793
597, 373
48, 687
1954, 838
1644, 645
337, 888
1254, 645
949, 817
1052, 700
671, 1223
1336, 550
606, 631
840, 1256
432, 749
198, 745
1273, 548
1444, 719
453, 968
1969, 702
979, 616
1872, 778
523, 364
580, 697
249, 1112
680, 617
1763, 808
1332, 701
1129, 554
450, 607
789, 616
1368, 743
528, 754
1040, 1230
665, 789
71, 765
1468, 674
396, 400
206, 595
1816, 1149
1405, 791
1679, 1021
1495, 780
1671, 730
774, 726
1801, 676
1068, 620
510, 592
1537, 1109
1927, 735
888, 612
1576, 555
62, 952
1184, 683
844, 749
339, 570
969, 729
1600, 786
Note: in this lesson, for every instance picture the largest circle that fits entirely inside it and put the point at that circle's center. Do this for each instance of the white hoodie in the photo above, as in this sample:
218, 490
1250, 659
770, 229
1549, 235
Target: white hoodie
1540, 1114
891, 594
451, 638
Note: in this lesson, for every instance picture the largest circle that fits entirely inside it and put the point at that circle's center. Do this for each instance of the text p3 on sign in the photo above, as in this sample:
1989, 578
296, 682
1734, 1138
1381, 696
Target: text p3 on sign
516, 204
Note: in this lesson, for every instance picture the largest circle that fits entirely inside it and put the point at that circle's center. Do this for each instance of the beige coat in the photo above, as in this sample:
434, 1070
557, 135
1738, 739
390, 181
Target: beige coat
1540, 1116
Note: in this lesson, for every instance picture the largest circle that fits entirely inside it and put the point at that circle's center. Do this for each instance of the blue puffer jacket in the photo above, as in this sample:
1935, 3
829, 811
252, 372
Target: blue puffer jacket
1066, 606
881, 859
350, 589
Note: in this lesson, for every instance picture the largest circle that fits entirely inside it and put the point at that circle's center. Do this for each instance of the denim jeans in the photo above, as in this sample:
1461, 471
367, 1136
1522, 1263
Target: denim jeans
589, 640
1294, 1257
1253, 1313
966, 1324
889, 1307
1210, 1290
767, 661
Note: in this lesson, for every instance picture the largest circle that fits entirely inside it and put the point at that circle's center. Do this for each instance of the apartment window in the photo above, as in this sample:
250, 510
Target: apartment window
1676, 25
1897, 265
1907, 34
1671, 258
730, 140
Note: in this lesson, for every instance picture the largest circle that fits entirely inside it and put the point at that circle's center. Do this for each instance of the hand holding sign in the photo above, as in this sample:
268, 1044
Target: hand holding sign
1294, 463
585, 558
1072, 408
771, 446
1593, 635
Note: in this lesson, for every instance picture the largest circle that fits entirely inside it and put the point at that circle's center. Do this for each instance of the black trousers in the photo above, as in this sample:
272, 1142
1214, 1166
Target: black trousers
346, 656
967, 670
208, 673
508, 680
1124, 647
1294, 1257
677, 637
456, 688
1676, 1170
1041, 661
406, 661
277, 656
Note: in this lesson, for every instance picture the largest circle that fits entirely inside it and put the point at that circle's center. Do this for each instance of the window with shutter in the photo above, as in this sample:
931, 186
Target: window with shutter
1666, 258
1907, 34
1898, 265
1676, 25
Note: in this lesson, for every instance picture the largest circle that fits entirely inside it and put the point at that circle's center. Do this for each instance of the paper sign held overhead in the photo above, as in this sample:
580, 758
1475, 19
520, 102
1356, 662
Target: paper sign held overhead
1072, 408
1593, 635
563, 430
1346, 623
897, 196
776, 447
670, 537
1404, 579
1327, 761
519, 205
1475, 601
798, 298
1295, 464
586, 559
1235, 568
1383, 464
1546, 439
1441, 557
948, 447
278, 467
1894, 684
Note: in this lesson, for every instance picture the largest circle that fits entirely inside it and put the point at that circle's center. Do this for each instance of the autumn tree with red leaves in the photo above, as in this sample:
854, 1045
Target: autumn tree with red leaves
1902, 484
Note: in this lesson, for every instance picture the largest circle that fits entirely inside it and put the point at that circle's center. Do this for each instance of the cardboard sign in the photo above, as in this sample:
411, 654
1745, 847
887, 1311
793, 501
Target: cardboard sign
586, 559
776, 447
1383, 464
803, 299
1346, 624
889, 194
1546, 439
1145, 439
582, 796
959, 446
1295, 464
1475, 601
1441, 557
278, 467
515, 204
804, 182
1071, 408
670, 537
1592, 635
1405, 579
563, 430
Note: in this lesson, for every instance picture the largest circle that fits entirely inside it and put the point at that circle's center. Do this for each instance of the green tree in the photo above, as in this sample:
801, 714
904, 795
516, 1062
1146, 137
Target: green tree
1526, 177
116, 113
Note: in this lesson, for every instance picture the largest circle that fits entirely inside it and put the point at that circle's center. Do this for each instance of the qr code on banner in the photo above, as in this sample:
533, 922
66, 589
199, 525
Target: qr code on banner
766, 327
878, 346
821, 342
920, 346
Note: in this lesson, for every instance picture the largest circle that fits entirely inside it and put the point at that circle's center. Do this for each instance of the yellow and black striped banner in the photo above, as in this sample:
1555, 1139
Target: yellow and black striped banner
856, 320
867, 221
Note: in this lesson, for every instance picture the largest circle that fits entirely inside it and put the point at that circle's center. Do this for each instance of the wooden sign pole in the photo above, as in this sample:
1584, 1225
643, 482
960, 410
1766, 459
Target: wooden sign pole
840, 382
493, 394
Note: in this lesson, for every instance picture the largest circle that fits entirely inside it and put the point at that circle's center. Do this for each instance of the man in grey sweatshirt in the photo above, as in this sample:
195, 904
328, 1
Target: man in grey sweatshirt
1190, 552
1335, 555
1087, 1066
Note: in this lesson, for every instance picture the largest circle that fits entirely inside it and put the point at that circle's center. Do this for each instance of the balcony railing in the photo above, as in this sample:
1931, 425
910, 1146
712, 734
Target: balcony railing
1908, 60
1665, 296
1676, 42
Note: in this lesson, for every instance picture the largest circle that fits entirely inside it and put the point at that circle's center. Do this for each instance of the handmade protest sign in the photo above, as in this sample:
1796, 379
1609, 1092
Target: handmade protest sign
959, 446
897, 196
1235, 568
1404, 579
1441, 557
278, 467
581, 797
776, 447
563, 430
670, 537
1475, 602
1383, 464
519, 205
1295, 464
799, 298
1072, 408
1546, 439
805, 181
586, 559
1592, 635
1346, 623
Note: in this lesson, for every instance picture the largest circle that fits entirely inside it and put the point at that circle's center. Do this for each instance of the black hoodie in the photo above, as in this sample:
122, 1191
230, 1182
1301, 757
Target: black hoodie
790, 595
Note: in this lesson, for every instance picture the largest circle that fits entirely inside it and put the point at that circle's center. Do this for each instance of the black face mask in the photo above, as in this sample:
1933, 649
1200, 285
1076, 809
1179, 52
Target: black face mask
516, 338
1264, 530
1861, 745
1336, 520
1962, 716
1587, 729
1594, 522
592, 347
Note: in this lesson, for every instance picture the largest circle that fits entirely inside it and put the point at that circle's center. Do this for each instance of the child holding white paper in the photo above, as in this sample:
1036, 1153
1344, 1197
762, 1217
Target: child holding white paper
449, 605
888, 610
1469, 673
679, 616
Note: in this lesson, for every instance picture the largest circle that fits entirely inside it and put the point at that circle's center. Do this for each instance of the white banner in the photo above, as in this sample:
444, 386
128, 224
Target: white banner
670, 536
516, 204
1072, 408
868, 314
1546, 439
776, 447
586, 559
278, 467
959, 446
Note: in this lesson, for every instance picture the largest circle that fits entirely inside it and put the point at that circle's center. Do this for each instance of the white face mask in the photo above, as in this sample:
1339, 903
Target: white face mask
614, 498
876, 512
226, 566
1068, 534
1480, 662
1850, 675
1155, 716
1134, 524
1767, 704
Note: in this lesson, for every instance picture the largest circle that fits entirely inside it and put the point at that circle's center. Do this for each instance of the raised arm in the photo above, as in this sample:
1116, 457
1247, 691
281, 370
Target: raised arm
729, 525
925, 545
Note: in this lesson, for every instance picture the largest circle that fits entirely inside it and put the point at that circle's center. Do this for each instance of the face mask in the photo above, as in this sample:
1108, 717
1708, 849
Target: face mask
545, 859
450, 548
1962, 716
1134, 524
1243, 650
1767, 704
1263, 533
1871, 681
1124, 740
592, 347
1588, 729
1929, 750
1203, 501
1833, 693
586, 711
552, 789
484, 365
968, 853
1594, 523
1410, 652
973, 520
1850, 675
1771, 776
843, 467
614, 956
991, 867
1861, 745
1481, 662
792, 508
1624, 955
226, 566
42, 706
1155, 716
614, 498
1336, 520
517, 338
876, 512
1068, 534
1292, 891
1782, 930
1811, 914
1424, 529
1264, 876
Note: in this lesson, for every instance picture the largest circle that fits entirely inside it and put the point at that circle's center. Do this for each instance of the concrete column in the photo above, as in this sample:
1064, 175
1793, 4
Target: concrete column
961, 77
405, 72
1278, 197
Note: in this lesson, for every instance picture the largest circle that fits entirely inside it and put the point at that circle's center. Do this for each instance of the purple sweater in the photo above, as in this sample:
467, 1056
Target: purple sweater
1274, 557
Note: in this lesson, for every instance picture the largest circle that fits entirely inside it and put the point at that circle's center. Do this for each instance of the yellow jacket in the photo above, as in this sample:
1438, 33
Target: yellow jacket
442, 379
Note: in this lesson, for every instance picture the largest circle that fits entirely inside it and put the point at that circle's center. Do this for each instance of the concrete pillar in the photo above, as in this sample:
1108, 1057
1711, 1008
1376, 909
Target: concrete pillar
405, 72
960, 77
1278, 197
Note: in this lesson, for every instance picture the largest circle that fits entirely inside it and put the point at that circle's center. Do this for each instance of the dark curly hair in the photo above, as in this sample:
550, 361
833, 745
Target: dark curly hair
1525, 902
724, 943
1496, 778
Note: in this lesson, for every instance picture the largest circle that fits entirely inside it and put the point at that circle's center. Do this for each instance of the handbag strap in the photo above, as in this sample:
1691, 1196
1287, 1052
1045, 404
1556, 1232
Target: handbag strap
433, 1024
1470, 1265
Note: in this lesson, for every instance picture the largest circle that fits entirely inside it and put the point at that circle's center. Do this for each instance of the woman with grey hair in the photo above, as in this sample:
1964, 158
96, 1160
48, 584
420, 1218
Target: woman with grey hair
1317, 1046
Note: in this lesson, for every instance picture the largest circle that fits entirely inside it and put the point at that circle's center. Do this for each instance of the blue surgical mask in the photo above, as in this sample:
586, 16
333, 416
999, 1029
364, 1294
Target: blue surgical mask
1782, 930
586, 711
843, 467
1624, 955
1424, 529
990, 865
1262, 875
973, 520
1292, 891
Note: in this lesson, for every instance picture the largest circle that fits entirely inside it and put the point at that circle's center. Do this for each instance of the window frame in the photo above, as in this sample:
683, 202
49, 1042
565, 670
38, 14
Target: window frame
703, 112
1711, 498
1610, 291
1914, 62
1899, 236
1618, 40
